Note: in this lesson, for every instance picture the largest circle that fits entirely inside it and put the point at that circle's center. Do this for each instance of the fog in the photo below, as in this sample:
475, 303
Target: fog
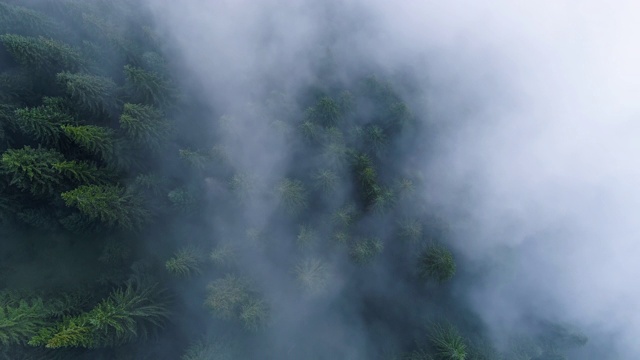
535, 162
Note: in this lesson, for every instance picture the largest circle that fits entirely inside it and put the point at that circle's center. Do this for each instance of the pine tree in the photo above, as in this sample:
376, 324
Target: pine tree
129, 313
446, 341
436, 262
147, 87
19, 320
32, 169
43, 122
42, 54
112, 205
185, 263
82, 172
94, 94
145, 125
95, 139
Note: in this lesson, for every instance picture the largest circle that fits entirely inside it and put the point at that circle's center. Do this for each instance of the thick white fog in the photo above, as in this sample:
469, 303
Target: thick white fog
538, 165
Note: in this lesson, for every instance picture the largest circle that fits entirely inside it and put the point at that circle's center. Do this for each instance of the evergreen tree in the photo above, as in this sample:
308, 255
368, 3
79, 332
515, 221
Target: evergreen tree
185, 263
20, 319
42, 54
94, 94
145, 125
32, 169
436, 262
43, 122
112, 205
147, 87
95, 139
447, 343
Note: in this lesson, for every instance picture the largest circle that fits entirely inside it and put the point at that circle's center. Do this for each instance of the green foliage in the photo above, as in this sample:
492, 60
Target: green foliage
94, 94
128, 313
447, 343
32, 169
185, 263
145, 125
19, 320
43, 122
312, 275
82, 172
293, 195
436, 262
363, 251
112, 205
95, 139
41, 54
147, 87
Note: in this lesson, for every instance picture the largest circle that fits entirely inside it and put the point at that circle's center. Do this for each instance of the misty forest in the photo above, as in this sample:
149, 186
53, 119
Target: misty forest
140, 219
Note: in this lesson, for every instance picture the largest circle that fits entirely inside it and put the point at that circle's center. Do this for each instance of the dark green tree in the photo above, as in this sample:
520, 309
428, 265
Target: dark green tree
32, 169
94, 94
145, 125
436, 262
42, 54
186, 262
447, 342
44, 122
147, 87
97, 140
112, 205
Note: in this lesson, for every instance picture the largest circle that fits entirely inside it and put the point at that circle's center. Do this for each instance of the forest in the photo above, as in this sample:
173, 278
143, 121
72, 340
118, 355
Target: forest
138, 221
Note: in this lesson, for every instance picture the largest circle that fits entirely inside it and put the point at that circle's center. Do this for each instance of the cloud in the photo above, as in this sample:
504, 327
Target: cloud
536, 104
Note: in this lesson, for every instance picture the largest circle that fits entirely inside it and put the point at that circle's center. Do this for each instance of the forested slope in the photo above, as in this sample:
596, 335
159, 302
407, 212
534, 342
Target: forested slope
133, 226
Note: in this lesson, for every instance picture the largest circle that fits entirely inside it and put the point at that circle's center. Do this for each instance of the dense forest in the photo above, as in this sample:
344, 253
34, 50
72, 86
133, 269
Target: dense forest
133, 225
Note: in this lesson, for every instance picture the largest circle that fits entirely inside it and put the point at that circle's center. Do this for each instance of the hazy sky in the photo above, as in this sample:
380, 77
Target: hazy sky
538, 166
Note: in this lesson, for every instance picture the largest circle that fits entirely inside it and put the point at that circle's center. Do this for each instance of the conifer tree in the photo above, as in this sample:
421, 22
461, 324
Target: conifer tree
147, 87
42, 54
112, 205
21, 319
436, 262
94, 94
32, 169
43, 122
186, 262
145, 125
95, 139
447, 342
